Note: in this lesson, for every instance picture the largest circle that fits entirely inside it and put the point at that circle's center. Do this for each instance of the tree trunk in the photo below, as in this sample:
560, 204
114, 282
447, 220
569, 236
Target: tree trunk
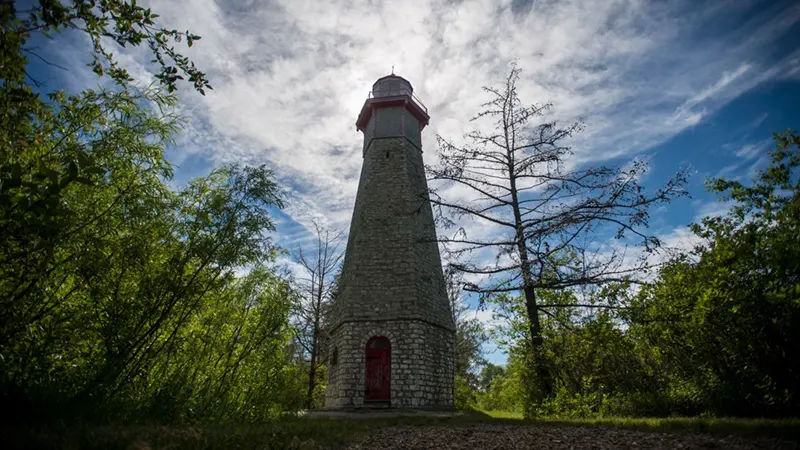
312, 370
538, 365
312, 382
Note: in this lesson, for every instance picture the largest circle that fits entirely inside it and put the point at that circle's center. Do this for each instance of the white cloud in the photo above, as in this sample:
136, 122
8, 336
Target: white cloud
290, 76
718, 87
745, 154
710, 209
752, 150
485, 315
759, 165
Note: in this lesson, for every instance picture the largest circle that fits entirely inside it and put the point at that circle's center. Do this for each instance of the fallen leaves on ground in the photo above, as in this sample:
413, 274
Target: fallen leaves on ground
549, 437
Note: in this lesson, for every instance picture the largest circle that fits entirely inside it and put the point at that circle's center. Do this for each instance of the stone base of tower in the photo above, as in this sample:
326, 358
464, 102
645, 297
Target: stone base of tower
422, 369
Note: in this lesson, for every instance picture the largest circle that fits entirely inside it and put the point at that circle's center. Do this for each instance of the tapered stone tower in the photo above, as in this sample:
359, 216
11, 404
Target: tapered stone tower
392, 331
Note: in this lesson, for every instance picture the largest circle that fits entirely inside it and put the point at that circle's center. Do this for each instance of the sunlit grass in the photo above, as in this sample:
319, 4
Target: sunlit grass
503, 414
779, 428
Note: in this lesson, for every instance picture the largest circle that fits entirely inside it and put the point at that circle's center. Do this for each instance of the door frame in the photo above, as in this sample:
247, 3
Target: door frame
384, 353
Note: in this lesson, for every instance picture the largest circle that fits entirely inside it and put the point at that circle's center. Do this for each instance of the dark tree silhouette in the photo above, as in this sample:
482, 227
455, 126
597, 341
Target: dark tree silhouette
553, 219
317, 287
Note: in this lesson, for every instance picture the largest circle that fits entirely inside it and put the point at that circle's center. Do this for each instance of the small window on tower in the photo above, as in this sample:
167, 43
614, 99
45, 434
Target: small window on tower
335, 356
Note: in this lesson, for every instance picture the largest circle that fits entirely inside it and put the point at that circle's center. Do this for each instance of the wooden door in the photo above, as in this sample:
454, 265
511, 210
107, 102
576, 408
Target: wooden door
379, 365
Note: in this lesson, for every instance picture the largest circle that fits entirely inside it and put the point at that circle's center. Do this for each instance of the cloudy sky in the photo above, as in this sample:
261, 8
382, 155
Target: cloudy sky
679, 83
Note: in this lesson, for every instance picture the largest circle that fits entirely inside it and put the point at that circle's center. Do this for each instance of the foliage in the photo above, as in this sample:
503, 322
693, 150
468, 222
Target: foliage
53, 129
229, 362
501, 388
466, 396
43, 143
316, 287
470, 333
725, 316
469, 339
714, 333
488, 374
119, 21
117, 295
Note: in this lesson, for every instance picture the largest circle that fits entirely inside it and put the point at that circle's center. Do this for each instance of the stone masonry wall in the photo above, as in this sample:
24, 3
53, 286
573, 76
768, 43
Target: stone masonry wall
422, 365
392, 266
391, 283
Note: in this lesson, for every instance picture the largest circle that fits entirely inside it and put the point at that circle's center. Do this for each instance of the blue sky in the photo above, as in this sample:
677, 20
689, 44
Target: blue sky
681, 83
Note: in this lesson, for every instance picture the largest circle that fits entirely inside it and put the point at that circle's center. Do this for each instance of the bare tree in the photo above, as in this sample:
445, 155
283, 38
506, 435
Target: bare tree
554, 222
470, 334
320, 267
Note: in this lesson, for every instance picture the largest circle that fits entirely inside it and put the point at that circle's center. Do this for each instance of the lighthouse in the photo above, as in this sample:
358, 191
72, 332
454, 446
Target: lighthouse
392, 333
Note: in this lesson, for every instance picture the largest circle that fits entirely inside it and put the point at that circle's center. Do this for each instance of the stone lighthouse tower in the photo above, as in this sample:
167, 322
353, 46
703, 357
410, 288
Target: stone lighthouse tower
392, 331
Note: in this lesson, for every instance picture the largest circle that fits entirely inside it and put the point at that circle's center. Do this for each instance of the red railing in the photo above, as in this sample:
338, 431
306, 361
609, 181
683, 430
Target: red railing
398, 93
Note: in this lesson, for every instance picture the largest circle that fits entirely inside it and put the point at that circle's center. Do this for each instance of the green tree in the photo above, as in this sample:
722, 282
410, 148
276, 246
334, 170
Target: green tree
487, 375
229, 362
56, 128
593, 362
94, 308
121, 21
469, 340
505, 392
712, 334
118, 295
725, 315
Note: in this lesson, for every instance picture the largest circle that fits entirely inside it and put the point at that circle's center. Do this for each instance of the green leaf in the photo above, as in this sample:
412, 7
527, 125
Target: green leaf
72, 170
51, 175
96, 170
83, 159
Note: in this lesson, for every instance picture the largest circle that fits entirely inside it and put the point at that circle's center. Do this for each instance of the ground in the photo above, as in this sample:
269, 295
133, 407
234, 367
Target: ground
474, 430
549, 437
507, 431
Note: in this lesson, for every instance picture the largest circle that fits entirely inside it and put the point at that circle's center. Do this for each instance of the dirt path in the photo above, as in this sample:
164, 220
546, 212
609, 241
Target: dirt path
549, 437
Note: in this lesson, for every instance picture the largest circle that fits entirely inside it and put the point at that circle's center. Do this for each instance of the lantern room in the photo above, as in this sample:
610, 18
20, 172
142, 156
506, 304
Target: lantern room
392, 110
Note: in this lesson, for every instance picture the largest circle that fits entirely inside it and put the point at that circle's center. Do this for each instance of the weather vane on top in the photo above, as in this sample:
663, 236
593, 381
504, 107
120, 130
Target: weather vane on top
392, 69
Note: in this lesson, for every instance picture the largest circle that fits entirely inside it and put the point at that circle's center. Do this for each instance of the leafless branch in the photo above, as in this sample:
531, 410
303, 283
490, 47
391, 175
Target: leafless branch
554, 226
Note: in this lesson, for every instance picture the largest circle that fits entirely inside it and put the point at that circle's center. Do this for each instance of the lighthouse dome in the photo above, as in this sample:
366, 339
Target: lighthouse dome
391, 85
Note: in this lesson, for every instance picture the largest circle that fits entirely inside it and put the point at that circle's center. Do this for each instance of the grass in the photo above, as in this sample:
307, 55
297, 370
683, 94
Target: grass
320, 433
788, 429
503, 414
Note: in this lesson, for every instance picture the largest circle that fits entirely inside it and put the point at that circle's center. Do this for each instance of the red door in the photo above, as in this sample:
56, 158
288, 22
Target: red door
379, 364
